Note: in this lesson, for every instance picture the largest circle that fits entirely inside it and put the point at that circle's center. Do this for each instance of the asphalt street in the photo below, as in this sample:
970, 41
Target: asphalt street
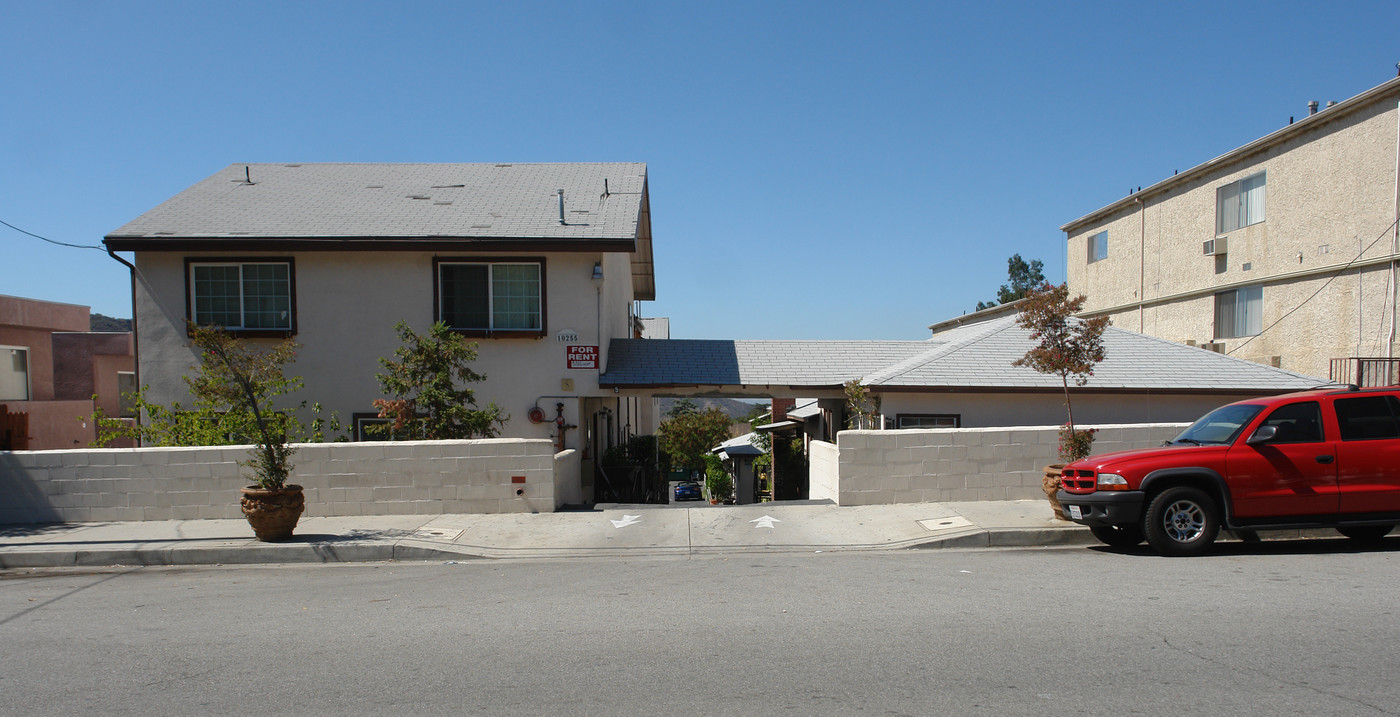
1290, 627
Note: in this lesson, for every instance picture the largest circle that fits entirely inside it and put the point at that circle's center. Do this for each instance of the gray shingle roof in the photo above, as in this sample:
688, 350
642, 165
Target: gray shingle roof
402, 200
980, 356
974, 356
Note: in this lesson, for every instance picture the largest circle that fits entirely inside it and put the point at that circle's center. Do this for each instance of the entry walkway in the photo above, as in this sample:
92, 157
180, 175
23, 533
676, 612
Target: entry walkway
606, 531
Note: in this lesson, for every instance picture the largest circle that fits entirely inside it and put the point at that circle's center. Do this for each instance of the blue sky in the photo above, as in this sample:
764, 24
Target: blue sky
818, 170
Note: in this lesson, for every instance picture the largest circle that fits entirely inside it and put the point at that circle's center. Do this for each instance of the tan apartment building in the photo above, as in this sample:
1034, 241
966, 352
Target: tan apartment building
1283, 251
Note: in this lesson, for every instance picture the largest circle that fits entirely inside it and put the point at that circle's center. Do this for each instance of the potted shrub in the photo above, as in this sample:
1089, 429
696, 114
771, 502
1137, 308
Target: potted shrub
1065, 347
247, 380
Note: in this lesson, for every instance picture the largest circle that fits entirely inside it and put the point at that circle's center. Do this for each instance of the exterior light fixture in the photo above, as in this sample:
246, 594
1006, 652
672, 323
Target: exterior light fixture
598, 273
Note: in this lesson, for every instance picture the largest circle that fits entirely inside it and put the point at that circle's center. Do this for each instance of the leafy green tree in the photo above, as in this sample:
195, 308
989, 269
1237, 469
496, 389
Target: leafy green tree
682, 407
1065, 347
864, 406
688, 437
1025, 278
718, 482
429, 398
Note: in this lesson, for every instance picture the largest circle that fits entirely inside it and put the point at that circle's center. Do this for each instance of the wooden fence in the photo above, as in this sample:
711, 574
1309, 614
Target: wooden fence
14, 430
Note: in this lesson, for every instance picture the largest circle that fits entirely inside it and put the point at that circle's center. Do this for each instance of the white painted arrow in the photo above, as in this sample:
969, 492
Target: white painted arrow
627, 520
766, 521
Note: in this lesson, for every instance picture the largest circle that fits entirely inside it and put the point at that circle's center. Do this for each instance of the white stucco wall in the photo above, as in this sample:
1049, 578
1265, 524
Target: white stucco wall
347, 304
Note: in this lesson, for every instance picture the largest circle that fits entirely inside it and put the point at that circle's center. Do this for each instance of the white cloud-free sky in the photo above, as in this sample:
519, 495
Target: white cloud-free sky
818, 170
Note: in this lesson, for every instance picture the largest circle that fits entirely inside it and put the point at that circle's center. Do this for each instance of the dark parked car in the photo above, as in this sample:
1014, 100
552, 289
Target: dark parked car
688, 491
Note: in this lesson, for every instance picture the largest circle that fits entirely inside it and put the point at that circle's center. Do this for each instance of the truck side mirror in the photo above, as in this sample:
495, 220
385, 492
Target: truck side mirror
1263, 435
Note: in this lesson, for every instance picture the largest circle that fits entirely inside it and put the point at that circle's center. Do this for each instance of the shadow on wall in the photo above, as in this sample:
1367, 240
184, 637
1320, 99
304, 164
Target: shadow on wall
24, 502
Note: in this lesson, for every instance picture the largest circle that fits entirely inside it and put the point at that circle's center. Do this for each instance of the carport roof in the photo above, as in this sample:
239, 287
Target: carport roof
974, 357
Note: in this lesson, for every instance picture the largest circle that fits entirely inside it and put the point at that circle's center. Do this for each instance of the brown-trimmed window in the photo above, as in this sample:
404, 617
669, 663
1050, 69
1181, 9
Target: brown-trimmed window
491, 298
253, 296
928, 420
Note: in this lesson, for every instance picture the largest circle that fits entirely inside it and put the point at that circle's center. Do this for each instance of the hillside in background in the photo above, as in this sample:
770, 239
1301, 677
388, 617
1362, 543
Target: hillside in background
98, 322
732, 407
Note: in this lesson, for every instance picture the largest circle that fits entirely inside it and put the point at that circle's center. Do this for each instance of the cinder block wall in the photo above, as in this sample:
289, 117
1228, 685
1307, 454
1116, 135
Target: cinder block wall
371, 478
823, 471
963, 464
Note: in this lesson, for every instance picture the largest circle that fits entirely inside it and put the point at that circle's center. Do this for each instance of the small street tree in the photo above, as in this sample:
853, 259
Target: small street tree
1025, 278
864, 406
246, 380
688, 437
427, 385
1065, 347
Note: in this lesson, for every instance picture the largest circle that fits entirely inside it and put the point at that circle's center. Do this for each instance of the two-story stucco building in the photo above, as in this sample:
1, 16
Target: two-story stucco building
540, 264
1283, 251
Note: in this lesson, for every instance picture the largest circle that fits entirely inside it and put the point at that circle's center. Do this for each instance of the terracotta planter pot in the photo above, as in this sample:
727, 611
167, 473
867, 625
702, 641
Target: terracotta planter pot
273, 513
1051, 484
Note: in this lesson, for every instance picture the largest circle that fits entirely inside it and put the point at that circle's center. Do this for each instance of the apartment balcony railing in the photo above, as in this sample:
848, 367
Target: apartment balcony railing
1366, 372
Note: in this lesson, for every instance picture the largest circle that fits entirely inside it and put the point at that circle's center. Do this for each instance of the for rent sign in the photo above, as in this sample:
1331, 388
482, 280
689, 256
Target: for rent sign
583, 357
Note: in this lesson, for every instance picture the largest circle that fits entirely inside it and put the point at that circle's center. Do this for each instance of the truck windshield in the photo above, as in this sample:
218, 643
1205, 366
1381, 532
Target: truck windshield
1221, 426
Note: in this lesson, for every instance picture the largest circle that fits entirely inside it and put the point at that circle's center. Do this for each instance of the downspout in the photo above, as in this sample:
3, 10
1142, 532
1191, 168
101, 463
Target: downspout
135, 345
1394, 244
1142, 263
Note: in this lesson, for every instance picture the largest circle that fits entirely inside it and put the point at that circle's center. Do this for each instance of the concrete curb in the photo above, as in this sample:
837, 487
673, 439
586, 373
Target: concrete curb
408, 549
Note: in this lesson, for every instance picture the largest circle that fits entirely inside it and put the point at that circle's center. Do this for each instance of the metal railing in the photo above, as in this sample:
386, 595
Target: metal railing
1365, 372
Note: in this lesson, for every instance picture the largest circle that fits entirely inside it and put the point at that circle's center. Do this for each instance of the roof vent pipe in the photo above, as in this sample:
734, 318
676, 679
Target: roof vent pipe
1312, 108
1331, 103
561, 206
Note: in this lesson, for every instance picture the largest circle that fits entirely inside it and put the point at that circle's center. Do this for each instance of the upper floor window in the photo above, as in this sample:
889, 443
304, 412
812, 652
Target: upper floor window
1239, 312
242, 296
1239, 204
14, 374
1098, 246
492, 297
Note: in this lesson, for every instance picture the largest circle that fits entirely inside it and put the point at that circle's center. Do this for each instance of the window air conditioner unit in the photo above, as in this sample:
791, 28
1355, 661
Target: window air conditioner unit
1214, 247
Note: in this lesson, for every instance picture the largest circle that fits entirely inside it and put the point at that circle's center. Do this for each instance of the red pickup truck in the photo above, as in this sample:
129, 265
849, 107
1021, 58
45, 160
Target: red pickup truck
1324, 458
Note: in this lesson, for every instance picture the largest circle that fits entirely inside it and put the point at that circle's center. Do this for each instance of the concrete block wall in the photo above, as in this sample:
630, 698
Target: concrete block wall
370, 478
964, 464
823, 471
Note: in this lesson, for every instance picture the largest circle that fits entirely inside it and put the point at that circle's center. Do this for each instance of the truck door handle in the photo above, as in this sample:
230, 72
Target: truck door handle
1324, 460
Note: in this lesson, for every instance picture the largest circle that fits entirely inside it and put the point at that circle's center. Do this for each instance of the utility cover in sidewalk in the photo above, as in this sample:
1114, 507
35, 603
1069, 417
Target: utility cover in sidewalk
951, 523
437, 534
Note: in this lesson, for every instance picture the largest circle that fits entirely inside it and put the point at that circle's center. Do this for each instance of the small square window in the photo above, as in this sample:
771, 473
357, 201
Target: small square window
1239, 312
14, 373
1239, 204
1098, 247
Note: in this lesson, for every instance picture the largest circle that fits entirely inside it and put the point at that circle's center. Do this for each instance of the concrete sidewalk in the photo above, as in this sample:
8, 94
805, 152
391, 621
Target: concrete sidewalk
605, 531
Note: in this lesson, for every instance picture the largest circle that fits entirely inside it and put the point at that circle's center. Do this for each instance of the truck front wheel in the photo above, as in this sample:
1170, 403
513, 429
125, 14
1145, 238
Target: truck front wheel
1181, 521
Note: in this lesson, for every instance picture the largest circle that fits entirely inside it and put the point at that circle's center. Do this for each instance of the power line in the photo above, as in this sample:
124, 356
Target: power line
36, 236
1330, 279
